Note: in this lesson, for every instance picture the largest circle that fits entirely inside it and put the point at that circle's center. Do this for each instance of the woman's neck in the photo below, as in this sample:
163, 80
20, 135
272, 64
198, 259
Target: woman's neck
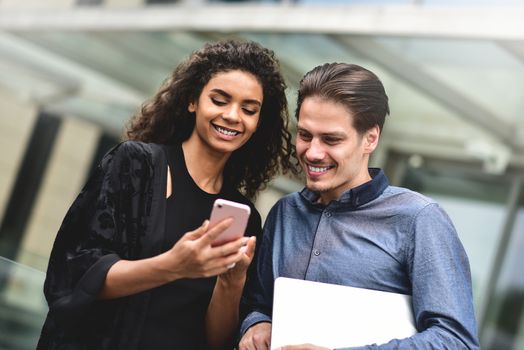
205, 166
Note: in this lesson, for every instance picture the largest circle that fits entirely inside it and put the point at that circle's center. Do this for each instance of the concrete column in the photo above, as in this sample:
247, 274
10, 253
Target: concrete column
64, 177
16, 123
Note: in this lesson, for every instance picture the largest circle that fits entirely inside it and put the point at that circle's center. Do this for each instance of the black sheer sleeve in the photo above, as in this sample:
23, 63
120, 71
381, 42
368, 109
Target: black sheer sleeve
91, 238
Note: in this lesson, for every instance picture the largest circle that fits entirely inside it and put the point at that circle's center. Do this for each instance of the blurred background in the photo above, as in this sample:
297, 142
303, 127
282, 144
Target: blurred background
72, 72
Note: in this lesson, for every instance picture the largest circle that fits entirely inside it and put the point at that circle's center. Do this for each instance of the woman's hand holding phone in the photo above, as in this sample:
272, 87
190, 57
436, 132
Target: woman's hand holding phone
223, 209
237, 273
194, 256
215, 248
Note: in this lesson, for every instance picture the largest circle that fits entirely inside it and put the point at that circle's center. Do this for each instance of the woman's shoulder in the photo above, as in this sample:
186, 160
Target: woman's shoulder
135, 148
131, 149
133, 155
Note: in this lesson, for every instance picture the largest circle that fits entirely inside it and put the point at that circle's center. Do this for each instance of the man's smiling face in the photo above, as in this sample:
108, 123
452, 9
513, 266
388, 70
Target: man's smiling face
333, 155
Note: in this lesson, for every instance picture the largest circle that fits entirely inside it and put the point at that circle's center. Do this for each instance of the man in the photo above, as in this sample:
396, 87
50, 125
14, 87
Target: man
349, 227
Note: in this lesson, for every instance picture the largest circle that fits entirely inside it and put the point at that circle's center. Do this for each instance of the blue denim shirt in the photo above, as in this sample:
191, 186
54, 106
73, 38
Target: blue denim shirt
378, 237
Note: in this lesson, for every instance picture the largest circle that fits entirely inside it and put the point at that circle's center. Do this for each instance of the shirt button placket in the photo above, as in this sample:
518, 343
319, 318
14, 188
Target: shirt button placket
327, 214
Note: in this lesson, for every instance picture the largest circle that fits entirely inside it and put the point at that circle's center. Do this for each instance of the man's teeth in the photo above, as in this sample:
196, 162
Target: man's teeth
226, 131
316, 169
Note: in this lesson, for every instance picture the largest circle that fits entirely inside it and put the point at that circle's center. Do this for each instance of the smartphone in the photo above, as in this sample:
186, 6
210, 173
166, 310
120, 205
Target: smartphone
223, 209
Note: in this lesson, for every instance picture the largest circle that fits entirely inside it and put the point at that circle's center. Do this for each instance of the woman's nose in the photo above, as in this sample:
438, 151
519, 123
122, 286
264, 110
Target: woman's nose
231, 114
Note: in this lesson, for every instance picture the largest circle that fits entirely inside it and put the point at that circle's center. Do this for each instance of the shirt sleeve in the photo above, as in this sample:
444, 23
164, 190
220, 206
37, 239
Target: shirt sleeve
441, 284
257, 299
88, 242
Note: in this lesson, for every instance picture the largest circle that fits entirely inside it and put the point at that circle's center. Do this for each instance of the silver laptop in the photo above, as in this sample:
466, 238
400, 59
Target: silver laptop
337, 316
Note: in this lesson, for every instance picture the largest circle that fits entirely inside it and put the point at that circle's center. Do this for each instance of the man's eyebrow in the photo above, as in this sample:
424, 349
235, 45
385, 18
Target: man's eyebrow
337, 134
225, 94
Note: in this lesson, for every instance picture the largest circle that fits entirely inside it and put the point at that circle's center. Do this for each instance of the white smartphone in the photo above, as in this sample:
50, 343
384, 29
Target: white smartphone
223, 209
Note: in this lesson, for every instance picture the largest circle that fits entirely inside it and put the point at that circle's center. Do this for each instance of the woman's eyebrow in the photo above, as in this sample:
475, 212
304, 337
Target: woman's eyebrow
221, 92
226, 95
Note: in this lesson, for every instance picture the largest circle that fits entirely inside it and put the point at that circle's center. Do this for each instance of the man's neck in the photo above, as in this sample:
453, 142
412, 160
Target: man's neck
327, 197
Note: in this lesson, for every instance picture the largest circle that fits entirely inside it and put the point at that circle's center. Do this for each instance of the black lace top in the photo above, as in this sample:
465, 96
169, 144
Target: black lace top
119, 214
176, 315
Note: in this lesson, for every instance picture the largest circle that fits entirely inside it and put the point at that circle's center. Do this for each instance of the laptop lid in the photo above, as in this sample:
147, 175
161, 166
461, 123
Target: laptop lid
334, 316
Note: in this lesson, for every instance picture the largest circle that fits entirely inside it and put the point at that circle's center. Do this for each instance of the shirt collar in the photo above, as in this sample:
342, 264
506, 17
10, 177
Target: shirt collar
357, 196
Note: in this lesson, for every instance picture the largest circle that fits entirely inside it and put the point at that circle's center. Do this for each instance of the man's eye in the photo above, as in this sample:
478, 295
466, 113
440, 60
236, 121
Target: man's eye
305, 137
331, 141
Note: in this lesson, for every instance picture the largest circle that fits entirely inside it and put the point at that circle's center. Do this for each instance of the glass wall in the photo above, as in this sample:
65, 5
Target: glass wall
22, 305
504, 323
488, 213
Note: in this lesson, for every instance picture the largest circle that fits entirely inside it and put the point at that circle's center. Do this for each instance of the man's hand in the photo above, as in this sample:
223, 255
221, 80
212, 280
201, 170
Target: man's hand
256, 337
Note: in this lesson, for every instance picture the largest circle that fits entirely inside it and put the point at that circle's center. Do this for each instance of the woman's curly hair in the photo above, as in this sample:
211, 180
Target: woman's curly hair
165, 118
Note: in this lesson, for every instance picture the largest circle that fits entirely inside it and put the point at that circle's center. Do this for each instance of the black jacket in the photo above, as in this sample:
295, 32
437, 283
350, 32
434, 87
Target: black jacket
121, 204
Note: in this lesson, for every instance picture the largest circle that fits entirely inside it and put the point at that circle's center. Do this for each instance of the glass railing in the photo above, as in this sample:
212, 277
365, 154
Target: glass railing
22, 305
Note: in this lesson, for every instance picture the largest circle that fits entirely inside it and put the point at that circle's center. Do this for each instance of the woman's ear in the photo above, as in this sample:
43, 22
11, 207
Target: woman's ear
191, 107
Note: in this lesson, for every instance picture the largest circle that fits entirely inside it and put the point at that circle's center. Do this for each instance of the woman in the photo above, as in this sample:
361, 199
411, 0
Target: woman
132, 266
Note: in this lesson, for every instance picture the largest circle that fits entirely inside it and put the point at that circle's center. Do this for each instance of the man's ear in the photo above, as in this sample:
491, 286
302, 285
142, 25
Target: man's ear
191, 107
371, 138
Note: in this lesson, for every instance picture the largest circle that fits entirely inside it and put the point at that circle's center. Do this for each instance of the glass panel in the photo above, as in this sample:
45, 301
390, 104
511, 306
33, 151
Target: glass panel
22, 305
89, 2
486, 72
504, 328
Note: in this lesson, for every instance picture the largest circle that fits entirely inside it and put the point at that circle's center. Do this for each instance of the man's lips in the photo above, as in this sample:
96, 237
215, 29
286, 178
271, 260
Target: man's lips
318, 169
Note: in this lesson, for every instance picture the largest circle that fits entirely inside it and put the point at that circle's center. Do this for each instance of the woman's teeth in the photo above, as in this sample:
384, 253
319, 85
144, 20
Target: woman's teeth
226, 131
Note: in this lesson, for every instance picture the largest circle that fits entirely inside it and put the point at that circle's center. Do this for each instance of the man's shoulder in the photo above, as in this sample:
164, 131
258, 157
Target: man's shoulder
293, 198
287, 203
406, 198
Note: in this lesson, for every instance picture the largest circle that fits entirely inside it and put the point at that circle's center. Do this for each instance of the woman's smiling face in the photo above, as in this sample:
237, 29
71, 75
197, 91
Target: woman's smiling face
227, 111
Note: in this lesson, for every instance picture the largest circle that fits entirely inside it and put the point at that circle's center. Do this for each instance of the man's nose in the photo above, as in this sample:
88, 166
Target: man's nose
315, 151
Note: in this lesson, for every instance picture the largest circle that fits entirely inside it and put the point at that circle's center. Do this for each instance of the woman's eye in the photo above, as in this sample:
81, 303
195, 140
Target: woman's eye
218, 102
249, 111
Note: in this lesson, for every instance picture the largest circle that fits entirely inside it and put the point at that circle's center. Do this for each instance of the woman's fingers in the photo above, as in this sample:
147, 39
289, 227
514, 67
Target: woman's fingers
222, 265
215, 231
250, 247
205, 260
226, 249
197, 233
